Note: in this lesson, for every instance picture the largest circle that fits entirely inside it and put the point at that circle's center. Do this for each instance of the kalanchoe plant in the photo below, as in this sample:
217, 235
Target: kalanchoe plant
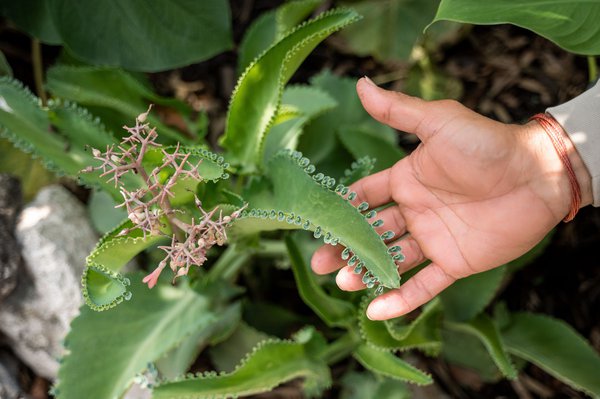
178, 199
149, 208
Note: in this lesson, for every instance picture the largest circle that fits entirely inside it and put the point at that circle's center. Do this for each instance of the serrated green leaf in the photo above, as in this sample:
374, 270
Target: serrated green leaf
570, 24
457, 344
114, 89
178, 360
256, 99
268, 365
319, 139
397, 334
308, 103
131, 336
333, 311
556, 347
390, 28
360, 168
103, 286
389, 365
485, 329
270, 27
29, 127
469, 296
362, 143
314, 206
228, 354
151, 36
102, 211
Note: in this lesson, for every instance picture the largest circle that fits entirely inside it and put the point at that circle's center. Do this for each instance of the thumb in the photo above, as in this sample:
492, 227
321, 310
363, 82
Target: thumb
398, 110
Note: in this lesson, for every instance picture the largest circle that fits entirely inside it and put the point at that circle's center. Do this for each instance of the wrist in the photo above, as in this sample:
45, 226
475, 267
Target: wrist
552, 179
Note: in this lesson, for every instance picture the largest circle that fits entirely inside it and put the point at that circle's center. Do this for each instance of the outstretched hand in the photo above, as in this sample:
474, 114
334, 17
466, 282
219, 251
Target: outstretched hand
474, 195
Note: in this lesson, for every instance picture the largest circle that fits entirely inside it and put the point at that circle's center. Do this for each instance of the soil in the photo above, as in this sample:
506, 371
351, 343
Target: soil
506, 73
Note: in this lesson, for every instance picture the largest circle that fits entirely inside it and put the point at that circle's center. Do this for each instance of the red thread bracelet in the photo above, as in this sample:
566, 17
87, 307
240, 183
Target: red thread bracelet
556, 132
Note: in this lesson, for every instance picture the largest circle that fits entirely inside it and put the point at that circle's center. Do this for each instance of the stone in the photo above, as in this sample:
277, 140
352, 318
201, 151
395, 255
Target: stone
10, 258
9, 376
55, 236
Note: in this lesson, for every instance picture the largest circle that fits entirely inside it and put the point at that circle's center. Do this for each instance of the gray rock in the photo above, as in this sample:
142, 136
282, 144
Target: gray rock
9, 375
55, 236
10, 259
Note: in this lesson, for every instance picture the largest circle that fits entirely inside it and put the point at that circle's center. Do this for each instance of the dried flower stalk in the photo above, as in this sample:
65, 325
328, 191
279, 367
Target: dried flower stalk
148, 207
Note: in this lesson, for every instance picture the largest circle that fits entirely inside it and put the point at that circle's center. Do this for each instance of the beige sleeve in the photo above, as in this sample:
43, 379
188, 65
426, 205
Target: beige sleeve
580, 118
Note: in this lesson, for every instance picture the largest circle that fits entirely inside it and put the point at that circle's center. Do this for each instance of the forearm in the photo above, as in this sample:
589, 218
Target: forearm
580, 119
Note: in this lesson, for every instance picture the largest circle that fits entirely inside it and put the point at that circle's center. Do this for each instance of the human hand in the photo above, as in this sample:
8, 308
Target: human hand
474, 195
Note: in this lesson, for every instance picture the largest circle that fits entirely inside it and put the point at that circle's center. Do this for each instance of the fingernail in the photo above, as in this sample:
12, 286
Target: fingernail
376, 310
369, 81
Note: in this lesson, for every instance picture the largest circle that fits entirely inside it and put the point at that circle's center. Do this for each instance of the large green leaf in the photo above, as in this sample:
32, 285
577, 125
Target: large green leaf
485, 329
140, 35
389, 365
573, 25
318, 140
270, 27
126, 339
555, 347
228, 354
303, 104
306, 200
390, 27
114, 89
256, 99
467, 297
33, 16
333, 311
178, 360
362, 143
457, 343
270, 363
30, 128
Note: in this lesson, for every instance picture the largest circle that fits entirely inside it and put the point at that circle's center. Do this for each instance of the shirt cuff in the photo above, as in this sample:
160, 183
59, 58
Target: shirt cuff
580, 118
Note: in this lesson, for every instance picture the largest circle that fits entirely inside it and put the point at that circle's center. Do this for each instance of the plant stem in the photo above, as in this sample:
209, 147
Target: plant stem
341, 347
38, 70
271, 249
165, 205
592, 68
230, 262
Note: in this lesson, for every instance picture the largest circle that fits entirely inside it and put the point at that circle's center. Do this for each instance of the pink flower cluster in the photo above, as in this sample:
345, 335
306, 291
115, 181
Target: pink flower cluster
149, 207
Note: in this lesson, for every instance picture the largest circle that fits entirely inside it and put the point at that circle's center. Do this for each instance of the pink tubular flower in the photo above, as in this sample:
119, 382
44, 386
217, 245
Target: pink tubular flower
152, 278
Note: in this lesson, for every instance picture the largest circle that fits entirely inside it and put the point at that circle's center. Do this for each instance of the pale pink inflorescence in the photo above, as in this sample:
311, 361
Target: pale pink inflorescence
149, 208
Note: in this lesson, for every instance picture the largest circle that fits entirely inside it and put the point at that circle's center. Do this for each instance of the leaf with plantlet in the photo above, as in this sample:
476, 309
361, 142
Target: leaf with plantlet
312, 201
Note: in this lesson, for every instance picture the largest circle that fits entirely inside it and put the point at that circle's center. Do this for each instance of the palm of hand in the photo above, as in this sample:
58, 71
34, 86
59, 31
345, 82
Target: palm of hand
468, 196
465, 195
